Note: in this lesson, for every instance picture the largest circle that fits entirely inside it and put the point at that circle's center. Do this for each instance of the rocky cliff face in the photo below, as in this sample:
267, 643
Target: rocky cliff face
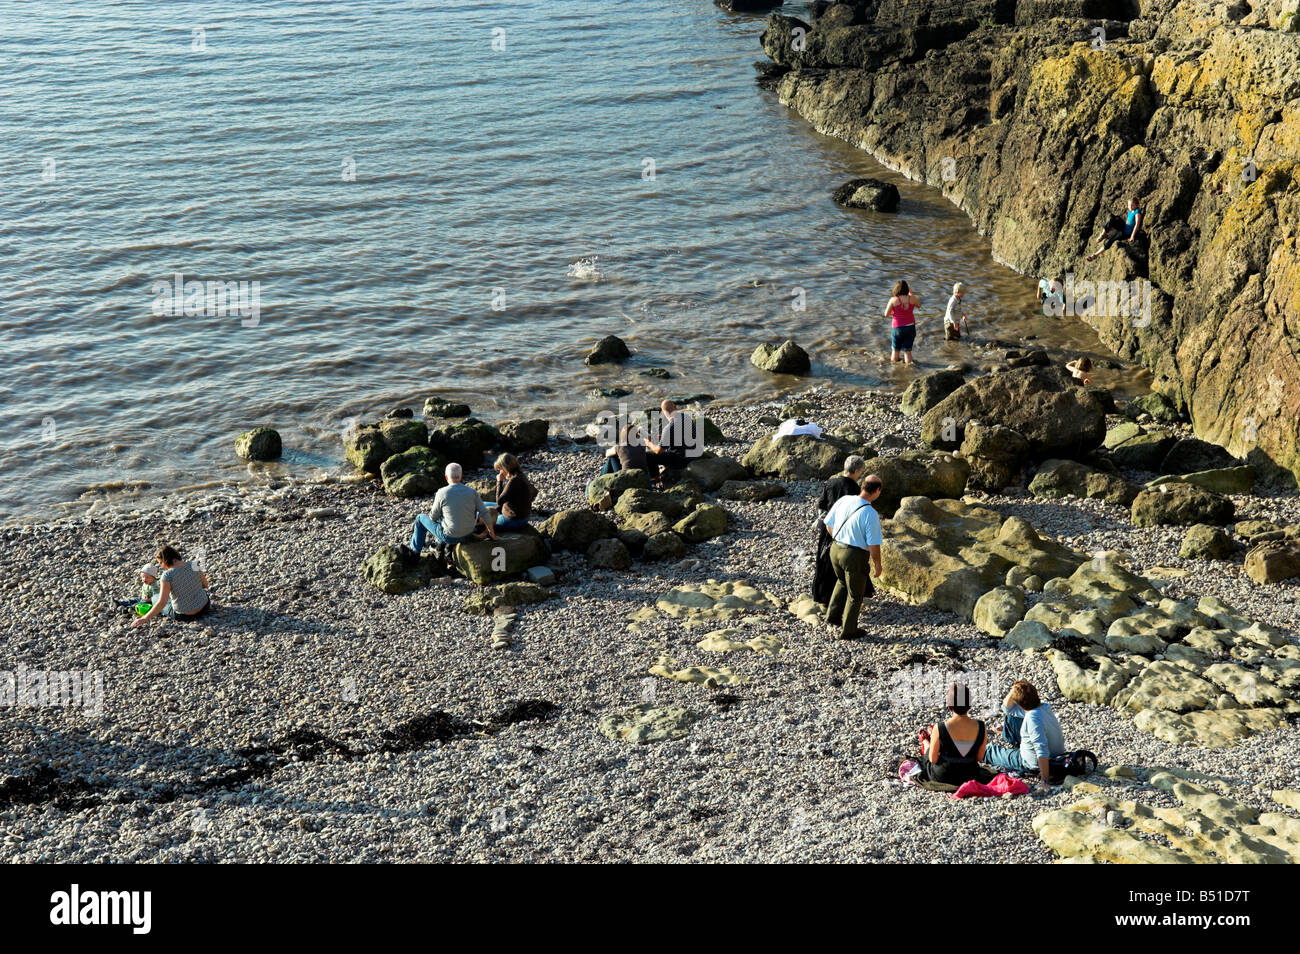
1040, 118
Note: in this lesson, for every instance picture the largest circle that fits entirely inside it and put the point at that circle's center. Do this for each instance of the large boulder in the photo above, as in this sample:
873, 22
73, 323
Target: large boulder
608, 554
1144, 450
917, 473
712, 472
417, 472
929, 389
873, 194
785, 358
649, 501
630, 478
1228, 480
998, 610
523, 435
946, 554
664, 546
385, 570
577, 530
801, 456
1069, 478
1204, 542
369, 446
509, 555
1180, 505
608, 350
261, 443
465, 442
1189, 455
1056, 419
1273, 561
703, 523
1159, 407
996, 455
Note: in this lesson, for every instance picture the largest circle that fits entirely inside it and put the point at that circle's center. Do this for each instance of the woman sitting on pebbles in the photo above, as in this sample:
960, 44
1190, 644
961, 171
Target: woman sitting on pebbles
953, 749
515, 494
1031, 735
183, 590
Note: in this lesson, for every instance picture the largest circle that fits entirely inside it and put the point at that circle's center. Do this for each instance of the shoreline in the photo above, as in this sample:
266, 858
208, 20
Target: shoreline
794, 763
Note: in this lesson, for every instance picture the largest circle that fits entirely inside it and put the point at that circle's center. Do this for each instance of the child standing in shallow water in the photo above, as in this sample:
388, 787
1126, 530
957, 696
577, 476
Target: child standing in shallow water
900, 310
954, 319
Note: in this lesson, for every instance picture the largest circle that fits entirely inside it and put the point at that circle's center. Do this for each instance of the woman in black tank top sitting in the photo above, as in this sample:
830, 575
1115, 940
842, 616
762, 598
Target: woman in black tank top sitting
951, 751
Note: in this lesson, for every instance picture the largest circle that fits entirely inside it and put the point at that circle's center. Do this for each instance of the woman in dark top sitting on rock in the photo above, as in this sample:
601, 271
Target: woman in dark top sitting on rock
631, 449
514, 494
842, 485
954, 747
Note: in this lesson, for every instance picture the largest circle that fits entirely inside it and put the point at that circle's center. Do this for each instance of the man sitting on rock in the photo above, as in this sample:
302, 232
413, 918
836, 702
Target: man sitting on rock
855, 529
455, 514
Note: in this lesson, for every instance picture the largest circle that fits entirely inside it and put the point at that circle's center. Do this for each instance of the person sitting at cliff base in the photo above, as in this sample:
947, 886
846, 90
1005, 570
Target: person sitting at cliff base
1124, 230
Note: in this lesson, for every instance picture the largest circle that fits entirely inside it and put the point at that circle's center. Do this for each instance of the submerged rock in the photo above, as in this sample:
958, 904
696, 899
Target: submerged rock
608, 350
786, 358
261, 443
441, 407
873, 194
369, 446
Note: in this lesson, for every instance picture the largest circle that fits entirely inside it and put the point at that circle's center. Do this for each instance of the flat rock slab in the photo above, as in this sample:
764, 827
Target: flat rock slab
647, 723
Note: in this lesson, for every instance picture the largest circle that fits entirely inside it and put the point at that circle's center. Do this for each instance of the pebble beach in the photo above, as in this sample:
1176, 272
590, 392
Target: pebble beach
313, 718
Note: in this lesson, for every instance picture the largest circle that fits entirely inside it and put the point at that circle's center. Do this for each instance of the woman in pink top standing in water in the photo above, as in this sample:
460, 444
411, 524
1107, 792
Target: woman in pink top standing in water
900, 310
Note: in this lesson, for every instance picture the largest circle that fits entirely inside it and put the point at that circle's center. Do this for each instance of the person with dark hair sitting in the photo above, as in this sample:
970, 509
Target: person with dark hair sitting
951, 751
183, 590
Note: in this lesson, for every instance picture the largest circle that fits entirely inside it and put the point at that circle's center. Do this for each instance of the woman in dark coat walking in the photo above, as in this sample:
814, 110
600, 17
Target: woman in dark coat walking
841, 485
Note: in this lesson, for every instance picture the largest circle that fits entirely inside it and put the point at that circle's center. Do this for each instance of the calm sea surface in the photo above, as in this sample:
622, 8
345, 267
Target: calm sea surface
417, 190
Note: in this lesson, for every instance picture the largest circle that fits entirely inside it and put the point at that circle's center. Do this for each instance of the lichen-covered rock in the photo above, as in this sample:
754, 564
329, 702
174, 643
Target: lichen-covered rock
1170, 109
801, 456
1028, 636
488, 599
1056, 420
931, 474
929, 389
637, 500
442, 407
1144, 450
1229, 480
367, 447
418, 472
647, 723
649, 524
523, 435
785, 358
664, 545
1064, 478
1204, 542
385, 570
873, 194
609, 554
261, 443
712, 472
703, 523
1180, 505
465, 442
630, 478
999, 609
576, 530
509, 555
751, 490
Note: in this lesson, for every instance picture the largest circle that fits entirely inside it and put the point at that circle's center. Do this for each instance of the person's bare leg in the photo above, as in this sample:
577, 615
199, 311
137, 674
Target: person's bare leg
907, 357
893, 355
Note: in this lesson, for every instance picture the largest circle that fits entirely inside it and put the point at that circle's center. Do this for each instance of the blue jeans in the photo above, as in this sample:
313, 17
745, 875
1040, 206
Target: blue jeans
612, 466
1005, 755
508, 523
424, 524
